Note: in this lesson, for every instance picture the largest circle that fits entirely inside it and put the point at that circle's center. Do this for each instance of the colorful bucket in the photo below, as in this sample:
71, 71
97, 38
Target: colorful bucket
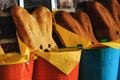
43, 70
22, 71
119, 70
99, 64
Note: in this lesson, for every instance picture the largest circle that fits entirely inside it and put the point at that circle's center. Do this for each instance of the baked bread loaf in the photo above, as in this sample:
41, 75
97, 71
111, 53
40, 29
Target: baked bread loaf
85, 22
43, 17
103, 23
29, 28
64, 19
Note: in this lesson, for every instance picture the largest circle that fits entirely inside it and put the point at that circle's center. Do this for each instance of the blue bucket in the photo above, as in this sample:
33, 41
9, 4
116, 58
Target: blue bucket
99, 64
119, 70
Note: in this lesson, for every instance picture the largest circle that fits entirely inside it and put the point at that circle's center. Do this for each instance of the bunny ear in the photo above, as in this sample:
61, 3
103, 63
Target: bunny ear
64, 19
104, 25
43, 17
35, 29
85, 22
27, 27
114, 8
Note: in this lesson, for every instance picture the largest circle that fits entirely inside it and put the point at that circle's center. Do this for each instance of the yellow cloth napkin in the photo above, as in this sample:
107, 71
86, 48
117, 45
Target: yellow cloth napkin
112, 44
69, 38
12, 58
65, 61
24, 49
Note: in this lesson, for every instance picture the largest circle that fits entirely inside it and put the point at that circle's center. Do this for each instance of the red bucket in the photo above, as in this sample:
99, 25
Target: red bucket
21, 71
43, 70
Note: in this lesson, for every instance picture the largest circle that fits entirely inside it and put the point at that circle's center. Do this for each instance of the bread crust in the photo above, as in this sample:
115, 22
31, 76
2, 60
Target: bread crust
35, 29
1, 51
27, 27
114, 8
85, 22
43, 17
64, 19
103, 23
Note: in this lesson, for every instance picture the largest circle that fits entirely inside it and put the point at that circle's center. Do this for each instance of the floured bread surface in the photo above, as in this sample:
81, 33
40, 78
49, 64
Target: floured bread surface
43, 17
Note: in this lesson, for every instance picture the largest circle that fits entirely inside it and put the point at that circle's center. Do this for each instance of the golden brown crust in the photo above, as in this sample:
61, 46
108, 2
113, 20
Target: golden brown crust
64, 19
85, 22
114, 8
103, 23
27, 27
1, 50
35, 29
43, 17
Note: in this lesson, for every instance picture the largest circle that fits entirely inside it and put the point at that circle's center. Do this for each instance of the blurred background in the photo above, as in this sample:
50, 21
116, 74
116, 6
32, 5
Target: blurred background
68, 5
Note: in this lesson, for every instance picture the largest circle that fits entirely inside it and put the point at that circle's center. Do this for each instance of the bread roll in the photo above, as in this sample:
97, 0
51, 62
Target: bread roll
43, 17
85, 22
64, 19
103, 23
